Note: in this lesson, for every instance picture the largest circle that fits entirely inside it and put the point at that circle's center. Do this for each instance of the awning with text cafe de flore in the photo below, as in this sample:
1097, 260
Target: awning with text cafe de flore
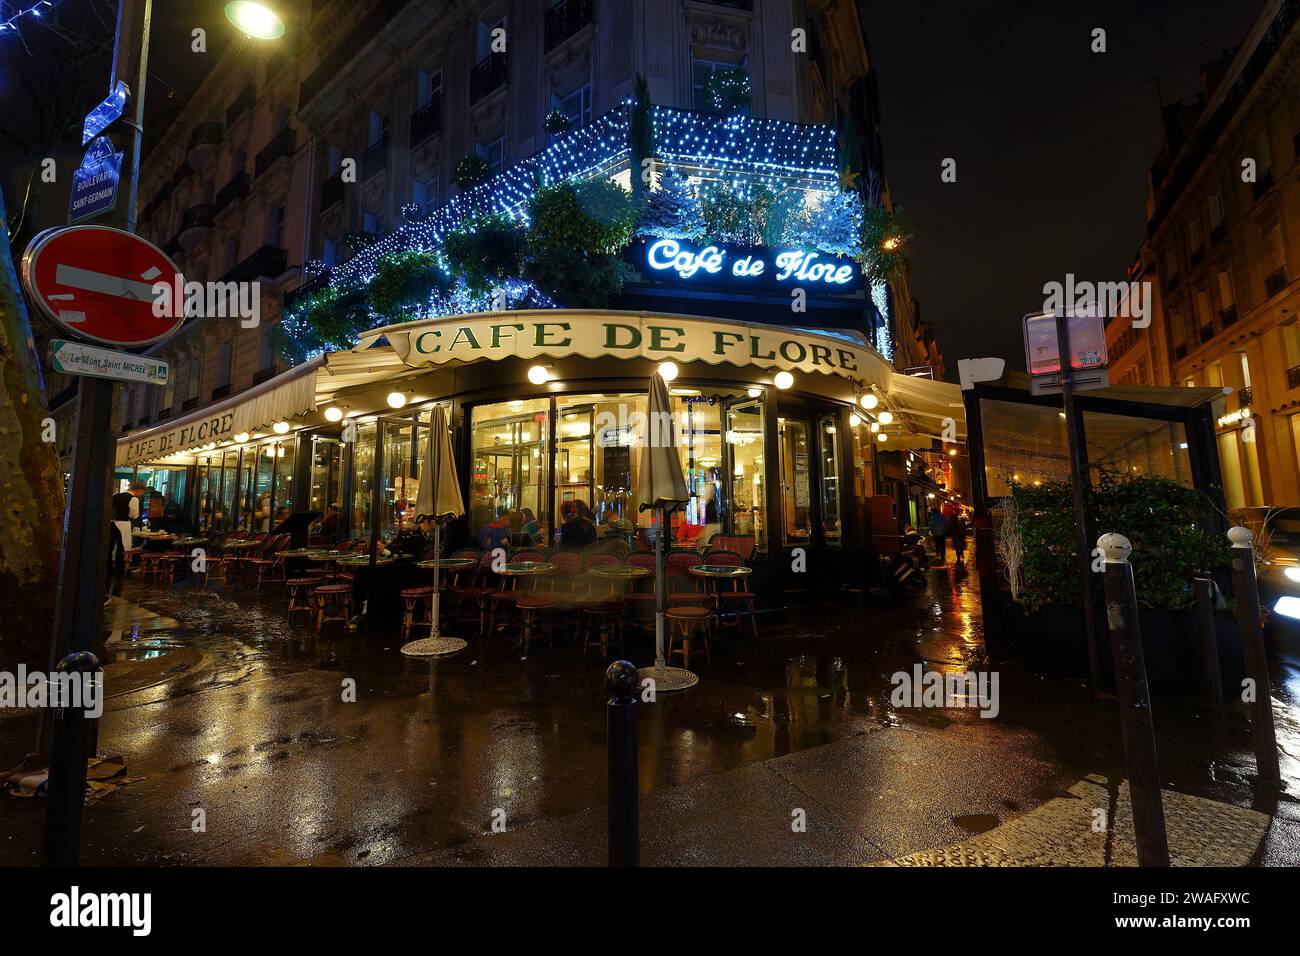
656, 337
282, 398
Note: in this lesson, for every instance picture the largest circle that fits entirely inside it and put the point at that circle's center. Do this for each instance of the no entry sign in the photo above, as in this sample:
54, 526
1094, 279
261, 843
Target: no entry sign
97, 283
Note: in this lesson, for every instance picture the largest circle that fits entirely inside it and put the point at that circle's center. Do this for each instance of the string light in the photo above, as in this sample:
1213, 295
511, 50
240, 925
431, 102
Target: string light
33, 11
746, 152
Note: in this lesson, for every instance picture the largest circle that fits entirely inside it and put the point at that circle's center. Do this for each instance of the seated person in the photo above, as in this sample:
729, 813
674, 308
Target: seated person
531, 526
579, 528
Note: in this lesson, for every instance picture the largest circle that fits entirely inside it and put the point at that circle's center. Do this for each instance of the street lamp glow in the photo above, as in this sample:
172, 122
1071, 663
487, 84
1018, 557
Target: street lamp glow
882, 436
869, 401
396, 399
333, 414
241, 437
783, 380
258, 20
668, 370
539, 375
885, 417
280, 427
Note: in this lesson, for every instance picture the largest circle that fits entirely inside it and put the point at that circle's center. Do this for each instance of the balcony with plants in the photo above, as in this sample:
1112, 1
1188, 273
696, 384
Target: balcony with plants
554, 229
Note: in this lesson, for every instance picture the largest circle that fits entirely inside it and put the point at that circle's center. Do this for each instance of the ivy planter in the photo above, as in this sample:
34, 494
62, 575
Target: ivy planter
1052, 640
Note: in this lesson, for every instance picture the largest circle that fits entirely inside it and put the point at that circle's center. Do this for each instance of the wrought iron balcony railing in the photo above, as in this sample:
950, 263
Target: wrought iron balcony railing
375, 159
1275, 281
198, 217
331, 191
280, 146
487, 75
268, 262
426, 121
1218, 233
206, 134
1227, 316
565, 19
1293, 377
1246, 395
241, 103
236, 188
1262, 184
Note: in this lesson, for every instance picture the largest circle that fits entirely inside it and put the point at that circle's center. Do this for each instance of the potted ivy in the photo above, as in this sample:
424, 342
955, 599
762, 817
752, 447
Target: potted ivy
1174, 534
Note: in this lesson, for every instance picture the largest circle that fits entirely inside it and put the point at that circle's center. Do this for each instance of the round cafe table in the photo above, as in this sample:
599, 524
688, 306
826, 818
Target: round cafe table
619, 572
439, 646
715, 574
448, 564
525, 569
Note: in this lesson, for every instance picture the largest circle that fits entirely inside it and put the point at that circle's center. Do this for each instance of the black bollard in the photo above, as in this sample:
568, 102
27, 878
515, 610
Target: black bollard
621, 680
66, 786
1134, 702
1246, 589
1209, 642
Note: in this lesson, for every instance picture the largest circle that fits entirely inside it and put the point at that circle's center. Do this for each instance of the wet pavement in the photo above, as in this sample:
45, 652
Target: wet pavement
220, 705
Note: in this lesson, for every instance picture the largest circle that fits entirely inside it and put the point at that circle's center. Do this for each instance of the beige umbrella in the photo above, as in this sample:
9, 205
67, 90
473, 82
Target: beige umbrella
438, 498
661, 485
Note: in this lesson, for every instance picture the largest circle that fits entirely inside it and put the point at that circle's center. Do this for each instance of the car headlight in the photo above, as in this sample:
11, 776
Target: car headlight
1292, 574
1288, 607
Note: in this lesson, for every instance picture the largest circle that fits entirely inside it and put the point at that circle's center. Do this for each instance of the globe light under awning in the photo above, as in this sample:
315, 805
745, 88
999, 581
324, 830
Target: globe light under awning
258, 20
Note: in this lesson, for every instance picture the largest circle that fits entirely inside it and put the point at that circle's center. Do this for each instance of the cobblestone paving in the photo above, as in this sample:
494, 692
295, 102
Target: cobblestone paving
1093, 826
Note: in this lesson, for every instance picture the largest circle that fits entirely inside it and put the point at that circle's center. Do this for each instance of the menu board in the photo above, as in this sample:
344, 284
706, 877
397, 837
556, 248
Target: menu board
618, 466
802, 496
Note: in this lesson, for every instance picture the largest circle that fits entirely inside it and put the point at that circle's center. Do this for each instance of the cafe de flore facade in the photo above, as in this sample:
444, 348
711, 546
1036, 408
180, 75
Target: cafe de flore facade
548, 408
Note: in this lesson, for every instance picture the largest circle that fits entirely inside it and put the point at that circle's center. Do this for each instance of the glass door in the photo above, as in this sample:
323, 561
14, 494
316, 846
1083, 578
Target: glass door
574, 459
796, 482
508, 480
746, 504
828, 448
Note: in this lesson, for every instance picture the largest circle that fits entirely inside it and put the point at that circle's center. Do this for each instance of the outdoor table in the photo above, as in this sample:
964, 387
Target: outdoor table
515, 571
155, 540
362, 560
189, 541
448, 564
715, 574
619, 572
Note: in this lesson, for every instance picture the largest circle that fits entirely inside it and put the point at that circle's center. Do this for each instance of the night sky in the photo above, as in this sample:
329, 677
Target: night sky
1052, 143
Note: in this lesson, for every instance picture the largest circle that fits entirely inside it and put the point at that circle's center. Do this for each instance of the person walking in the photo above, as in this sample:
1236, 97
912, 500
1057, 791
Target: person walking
959, 532
125, 508
939, 532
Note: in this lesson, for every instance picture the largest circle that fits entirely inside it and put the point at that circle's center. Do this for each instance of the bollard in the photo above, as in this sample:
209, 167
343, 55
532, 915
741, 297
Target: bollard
1246, 590
66, 786
1134, 702
1209, 642
624, 841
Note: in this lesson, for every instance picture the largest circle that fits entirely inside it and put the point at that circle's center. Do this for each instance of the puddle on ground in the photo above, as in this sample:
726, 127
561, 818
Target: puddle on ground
977, 822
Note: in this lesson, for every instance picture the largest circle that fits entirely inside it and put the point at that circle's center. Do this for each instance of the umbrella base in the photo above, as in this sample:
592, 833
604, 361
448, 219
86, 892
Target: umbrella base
670, 679
433, 647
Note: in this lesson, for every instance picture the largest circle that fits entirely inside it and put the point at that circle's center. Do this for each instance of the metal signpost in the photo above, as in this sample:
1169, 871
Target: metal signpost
1064, 353
102, 300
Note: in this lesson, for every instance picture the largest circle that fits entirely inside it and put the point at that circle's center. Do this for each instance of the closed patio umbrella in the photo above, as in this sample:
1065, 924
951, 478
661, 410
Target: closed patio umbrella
661, 485
438, 498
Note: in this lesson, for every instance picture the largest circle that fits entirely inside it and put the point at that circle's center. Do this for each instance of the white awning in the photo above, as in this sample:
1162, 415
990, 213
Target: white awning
282, 398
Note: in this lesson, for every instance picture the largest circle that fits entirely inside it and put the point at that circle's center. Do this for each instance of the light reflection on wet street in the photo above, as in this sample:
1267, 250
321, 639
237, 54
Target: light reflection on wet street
219, 703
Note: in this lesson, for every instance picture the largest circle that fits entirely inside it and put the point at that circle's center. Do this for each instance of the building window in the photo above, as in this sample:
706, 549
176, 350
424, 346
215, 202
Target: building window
225, 363
232, 254
494, 153
424, 193
1194, 235
576, 106
428, 87
1275, 247
275, 225
376, 129
483, 38
329, 253
266, 348
192, 379
1245, 369
334, 161
1215, 204
1263, 154
701, 71
1226, 300
372, 223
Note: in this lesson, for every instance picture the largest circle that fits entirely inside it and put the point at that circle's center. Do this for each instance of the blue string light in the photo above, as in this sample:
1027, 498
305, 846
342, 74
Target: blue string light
746, 150
35, 10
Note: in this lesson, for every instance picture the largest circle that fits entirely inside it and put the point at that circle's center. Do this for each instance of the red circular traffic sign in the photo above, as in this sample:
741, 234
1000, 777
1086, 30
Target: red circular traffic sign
97, 283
